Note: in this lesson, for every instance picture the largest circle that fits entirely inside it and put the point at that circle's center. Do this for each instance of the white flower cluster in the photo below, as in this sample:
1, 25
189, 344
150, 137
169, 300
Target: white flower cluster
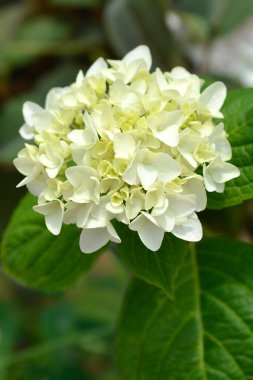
128, 144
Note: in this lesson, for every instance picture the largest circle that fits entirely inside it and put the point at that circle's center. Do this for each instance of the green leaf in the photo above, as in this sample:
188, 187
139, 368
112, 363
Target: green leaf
33, 256
156, 268
238, 120
206, 333
130, 23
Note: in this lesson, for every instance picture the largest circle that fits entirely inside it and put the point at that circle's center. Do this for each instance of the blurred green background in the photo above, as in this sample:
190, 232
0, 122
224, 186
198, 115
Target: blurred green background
43, 44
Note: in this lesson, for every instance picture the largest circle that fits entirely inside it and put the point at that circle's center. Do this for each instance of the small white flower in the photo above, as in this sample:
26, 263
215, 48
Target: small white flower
77, 213
86, 137
137, 60
28, 164
148, 167
165, 126
29, 110
85, 184
217, 173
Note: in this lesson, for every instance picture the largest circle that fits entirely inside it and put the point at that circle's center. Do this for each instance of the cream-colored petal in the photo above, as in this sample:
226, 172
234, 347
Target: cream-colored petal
96, 67
212, 98
53, 212
190, 230
148, 230
147, 174
29, 110
141, 52
124, 145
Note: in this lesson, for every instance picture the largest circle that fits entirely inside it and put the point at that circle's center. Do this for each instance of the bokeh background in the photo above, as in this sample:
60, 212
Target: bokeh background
43, 44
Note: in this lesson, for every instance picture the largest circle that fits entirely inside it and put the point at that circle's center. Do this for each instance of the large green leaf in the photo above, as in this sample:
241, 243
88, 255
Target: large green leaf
206, 333
156, 268
33, 256
238, 119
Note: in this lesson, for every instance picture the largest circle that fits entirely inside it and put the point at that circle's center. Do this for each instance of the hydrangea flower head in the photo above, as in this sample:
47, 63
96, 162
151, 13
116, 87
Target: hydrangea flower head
129, 144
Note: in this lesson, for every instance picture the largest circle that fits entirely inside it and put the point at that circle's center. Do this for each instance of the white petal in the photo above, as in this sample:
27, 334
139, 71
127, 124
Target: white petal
225, 173
181, 205
223, 147
99, 211
92, 239
131, 176
24, 165
195, 186
124, 145
70, 214
191, 230
147, 174
188, 156
167, 220
26, 132
169, 136
79, 78
179, 72
77, 213
77, 136
165, 127
161, 80
96, 67
37, 185
53, 212
52, 172
29, 109
220, 187
42, 120
210, 185
212, 98
85, 182
217, 133
220, 142
83, 137
135, 203
78, 174
113, 234
150, 234
167, 168
161, 208
53, 96
140, 52
114, 209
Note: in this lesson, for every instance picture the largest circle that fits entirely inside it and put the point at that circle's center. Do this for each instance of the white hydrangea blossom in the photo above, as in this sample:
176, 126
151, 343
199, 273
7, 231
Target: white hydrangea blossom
128, 144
